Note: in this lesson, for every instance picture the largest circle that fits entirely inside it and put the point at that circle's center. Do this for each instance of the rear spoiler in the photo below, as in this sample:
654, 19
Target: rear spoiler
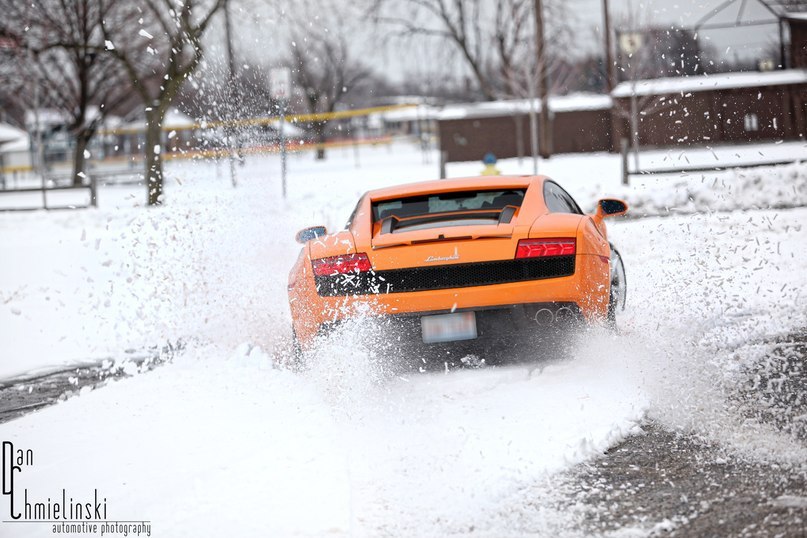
389, 237
503, 216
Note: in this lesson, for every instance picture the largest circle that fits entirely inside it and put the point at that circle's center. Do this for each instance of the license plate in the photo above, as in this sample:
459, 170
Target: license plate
448, 327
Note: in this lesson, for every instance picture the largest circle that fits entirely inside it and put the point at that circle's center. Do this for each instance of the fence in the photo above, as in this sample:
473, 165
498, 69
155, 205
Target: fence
21, 198
628, 172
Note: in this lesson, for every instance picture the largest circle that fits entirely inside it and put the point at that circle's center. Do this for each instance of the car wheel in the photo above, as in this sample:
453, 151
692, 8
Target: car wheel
618, 293
296, 359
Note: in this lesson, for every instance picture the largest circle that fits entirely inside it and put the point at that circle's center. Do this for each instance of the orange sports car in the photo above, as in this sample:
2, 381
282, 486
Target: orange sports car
460, 261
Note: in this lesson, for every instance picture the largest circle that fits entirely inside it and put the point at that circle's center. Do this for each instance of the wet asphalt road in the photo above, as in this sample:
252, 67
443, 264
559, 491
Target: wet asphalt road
679, 485
26, 394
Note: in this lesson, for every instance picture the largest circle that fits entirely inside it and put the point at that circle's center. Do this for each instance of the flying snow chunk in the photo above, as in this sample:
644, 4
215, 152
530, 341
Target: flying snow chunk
108, 45
172, 134
86, 154
156, 149
790, 501
145, 34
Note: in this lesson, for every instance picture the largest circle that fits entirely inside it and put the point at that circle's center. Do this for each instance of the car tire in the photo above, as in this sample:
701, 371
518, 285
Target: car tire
296, 358
618, 288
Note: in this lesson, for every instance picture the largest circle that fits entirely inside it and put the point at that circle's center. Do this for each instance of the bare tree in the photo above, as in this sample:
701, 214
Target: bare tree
159, 45
512, 30
323, 66
10, 80
493, 37
61, 52
639, 59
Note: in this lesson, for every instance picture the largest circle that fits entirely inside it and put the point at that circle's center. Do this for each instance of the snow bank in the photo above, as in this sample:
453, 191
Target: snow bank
738, 189
592, 176
700, 288
88, 285
225, 444
222, 445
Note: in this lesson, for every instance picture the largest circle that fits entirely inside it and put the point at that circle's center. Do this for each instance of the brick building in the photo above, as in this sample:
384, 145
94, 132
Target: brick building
580, 123
713, 109
797, 22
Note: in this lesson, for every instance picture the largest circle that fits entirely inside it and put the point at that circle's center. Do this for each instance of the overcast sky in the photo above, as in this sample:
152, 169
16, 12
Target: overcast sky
260, 35
745, 41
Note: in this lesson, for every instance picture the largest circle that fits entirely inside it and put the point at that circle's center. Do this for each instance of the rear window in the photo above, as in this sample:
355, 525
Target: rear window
447, 202
447, 209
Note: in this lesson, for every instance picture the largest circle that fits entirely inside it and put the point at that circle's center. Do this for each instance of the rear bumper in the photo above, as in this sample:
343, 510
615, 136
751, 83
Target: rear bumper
587, 289
503, 332
491, 322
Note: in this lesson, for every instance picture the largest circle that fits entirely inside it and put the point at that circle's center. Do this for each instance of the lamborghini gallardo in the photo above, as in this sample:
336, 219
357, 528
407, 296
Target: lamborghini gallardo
459, 262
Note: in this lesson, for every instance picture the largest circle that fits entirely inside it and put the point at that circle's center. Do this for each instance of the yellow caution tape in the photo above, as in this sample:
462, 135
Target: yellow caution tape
292, 118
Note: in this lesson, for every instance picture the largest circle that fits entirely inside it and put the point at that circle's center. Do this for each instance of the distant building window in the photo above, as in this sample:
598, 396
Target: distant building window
751, 122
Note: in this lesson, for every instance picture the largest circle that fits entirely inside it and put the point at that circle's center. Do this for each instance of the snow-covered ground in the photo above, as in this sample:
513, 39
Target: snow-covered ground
223, 442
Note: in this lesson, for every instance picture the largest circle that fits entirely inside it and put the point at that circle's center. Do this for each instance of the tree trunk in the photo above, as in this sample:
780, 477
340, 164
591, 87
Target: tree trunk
634, 127
545, 118
79, 161
153, 149
320, 132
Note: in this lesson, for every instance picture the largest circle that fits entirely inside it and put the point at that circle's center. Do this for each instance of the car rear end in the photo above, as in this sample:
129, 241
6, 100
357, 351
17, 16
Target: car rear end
450, 262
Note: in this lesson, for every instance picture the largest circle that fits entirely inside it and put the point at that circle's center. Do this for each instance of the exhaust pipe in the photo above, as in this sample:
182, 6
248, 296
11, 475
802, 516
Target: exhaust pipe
544, 317
564, 315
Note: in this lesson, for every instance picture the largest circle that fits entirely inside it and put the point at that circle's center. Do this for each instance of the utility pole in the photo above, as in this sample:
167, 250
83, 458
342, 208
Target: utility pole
610, 79
533, 121
544, 121
232, 144
280, 87
39, 163
283, 150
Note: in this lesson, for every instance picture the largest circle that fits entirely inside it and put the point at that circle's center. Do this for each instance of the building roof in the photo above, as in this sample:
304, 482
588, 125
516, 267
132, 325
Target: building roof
781, 7
46, 118
557, 103
13, 139
702, 83
17, 146
9, 133
795, 16
174, 119
420, 112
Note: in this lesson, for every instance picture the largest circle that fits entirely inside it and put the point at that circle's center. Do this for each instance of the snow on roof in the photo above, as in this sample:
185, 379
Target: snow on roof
174, 119
53, 117
112, 122
289, 130
45, 117
16, 146
9, 133
557, 103
406, 100
420, 112
701, 83
795, 15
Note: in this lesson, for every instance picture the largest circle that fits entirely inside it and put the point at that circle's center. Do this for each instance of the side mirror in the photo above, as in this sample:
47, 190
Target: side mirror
307, 234
610, 207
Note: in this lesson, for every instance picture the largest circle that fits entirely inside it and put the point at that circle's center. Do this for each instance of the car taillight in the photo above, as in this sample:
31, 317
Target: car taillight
537, 248
346, 263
